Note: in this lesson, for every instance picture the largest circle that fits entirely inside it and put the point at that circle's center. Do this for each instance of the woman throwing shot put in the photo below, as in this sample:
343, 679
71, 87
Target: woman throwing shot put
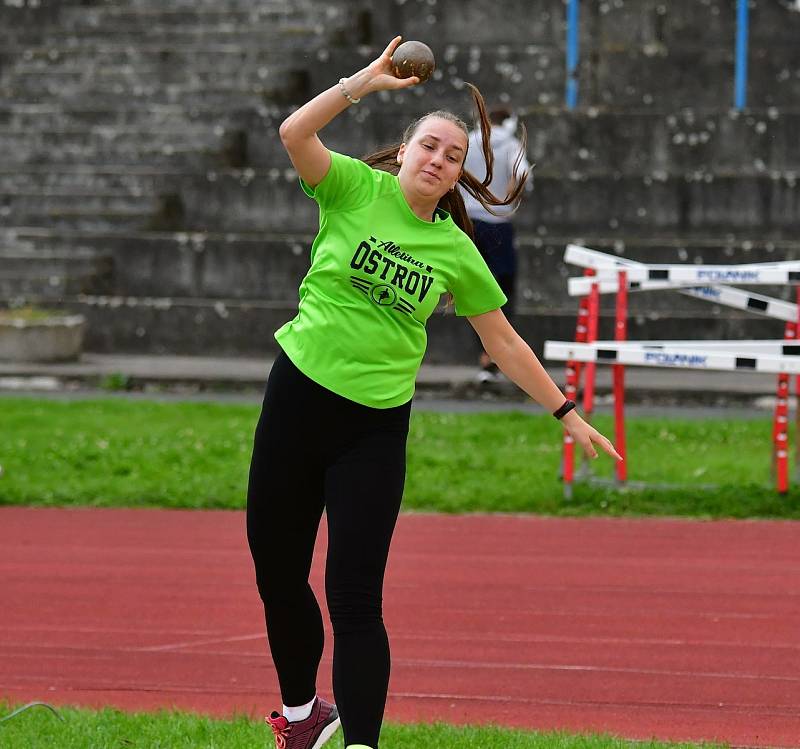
332, 432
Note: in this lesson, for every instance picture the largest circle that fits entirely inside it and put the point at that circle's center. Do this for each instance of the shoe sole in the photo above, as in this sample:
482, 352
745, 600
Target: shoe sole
327, 732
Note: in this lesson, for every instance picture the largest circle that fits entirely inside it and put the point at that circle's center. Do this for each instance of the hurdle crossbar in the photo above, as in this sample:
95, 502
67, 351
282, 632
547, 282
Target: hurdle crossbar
767, 347
611, 352
675, 276
584, 257
726, 296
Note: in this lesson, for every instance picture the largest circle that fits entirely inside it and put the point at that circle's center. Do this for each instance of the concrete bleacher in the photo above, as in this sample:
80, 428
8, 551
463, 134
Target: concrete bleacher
143, 182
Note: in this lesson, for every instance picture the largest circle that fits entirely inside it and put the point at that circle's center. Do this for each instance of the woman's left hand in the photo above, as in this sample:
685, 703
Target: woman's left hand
587, 436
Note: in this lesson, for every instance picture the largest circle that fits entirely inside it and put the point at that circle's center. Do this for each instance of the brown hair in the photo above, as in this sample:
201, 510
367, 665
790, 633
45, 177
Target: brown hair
452, 202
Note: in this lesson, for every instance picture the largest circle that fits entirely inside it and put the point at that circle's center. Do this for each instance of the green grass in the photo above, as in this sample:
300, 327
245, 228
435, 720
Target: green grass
107, 729
143, 453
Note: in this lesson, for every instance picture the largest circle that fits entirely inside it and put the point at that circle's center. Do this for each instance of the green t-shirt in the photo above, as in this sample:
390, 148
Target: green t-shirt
377, 272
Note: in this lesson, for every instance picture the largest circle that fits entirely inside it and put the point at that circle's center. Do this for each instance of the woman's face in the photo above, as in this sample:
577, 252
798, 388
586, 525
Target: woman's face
430, 163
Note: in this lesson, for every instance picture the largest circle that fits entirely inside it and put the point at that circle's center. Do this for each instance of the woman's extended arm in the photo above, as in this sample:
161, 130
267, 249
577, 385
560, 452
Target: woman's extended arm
519, 364
299, 130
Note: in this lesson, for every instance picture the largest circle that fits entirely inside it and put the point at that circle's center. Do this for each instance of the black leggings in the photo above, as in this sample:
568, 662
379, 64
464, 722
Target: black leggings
313, 450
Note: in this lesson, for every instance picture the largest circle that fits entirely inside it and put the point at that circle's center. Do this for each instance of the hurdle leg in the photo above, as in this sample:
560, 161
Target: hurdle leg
780, 425
620, 334
573, 380
796, 333
781, 442
781, 394
590, 367
568, 447
796, 426
568, 477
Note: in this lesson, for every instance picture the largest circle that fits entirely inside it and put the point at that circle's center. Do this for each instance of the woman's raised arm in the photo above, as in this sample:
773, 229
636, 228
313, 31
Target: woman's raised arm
299, 130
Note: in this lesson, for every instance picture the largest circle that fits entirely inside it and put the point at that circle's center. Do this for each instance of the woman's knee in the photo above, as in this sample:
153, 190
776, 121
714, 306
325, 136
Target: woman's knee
353, 610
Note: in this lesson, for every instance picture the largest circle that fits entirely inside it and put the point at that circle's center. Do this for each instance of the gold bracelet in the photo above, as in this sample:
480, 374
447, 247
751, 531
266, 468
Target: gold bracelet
346, 93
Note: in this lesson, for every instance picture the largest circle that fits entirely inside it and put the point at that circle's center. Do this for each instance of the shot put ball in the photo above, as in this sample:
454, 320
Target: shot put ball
413, 58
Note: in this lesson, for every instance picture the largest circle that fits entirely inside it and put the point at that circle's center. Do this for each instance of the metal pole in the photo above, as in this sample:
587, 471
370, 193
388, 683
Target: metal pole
573, 7
742, 23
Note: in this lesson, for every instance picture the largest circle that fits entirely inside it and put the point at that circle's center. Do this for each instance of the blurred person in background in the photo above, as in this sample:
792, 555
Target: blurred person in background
492, 227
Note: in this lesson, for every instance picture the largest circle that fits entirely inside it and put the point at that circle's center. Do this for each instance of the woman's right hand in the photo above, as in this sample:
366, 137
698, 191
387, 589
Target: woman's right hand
379, 76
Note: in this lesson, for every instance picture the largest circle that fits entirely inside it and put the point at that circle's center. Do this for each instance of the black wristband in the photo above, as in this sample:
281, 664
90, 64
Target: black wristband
564, 409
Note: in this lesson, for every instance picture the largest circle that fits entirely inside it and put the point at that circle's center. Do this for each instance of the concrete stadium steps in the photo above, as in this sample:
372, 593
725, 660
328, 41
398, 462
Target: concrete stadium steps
120, 95
269, 266
692, 202
33, 14
613, 23
30, 269
27, 21
147, 57
69, 82
51, 276
621, 78
81, 209
197, 293
247, 34
634, 141
651, 42
191, 264
243, 200
33, 179
521, 71
260, 267
627, 142
479, 23
632, 52
104, 58
125, 18
683, 139
155, 46
130, 17
274, 74
247, 200
123, 117
686, 76
191, 149
219, 326
650, 21
212, 5
56, 115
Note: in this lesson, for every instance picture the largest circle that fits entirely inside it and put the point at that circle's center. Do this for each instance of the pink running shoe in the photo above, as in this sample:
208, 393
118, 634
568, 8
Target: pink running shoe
310, 733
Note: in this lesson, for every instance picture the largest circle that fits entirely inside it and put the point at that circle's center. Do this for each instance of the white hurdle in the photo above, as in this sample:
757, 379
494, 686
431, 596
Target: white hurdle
719, 294
674, 276
674, 357
606, 274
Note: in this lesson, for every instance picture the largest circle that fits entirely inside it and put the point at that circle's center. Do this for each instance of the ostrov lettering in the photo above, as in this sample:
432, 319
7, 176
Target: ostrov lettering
372, 261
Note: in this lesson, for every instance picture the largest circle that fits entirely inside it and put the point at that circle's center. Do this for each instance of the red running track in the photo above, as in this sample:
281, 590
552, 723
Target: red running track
640, 628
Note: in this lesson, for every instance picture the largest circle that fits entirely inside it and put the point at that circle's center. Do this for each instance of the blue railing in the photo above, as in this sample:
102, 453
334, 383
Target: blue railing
742, 34
572, 53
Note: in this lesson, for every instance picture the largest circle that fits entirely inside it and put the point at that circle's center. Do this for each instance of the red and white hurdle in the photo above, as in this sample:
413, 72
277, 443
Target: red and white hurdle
605, 274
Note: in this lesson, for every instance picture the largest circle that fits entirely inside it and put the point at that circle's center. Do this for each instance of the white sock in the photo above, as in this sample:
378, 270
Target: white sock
293, 714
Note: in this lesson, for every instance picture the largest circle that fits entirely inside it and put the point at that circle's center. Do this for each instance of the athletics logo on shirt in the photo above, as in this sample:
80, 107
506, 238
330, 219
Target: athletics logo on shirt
383, 295
397, 277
